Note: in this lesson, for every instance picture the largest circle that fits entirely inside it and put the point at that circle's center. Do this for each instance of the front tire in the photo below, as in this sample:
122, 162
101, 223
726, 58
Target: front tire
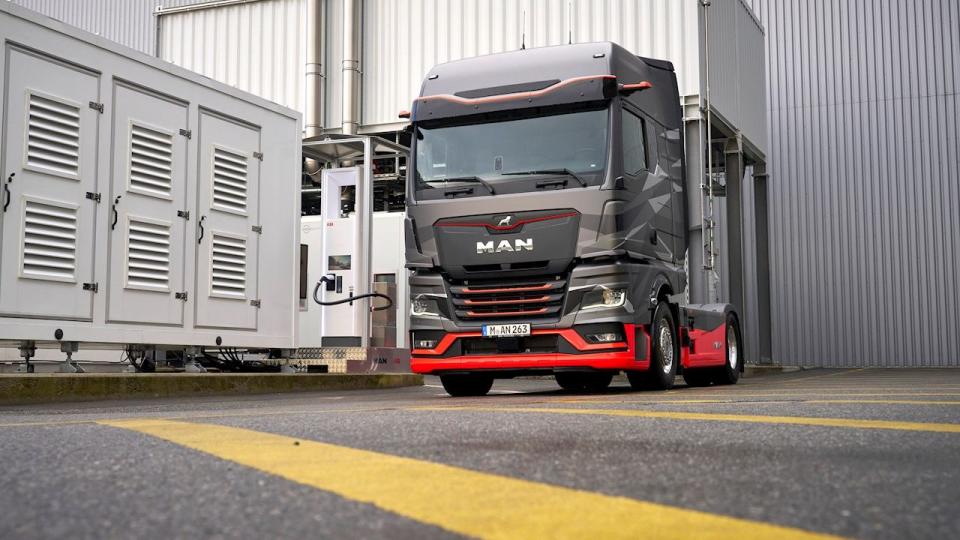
466, 385
730, 372
584, 382
665, 353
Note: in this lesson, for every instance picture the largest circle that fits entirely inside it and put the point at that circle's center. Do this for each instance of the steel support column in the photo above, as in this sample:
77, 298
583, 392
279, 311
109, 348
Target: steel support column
363, 210
734, 170
762, 240
696, 275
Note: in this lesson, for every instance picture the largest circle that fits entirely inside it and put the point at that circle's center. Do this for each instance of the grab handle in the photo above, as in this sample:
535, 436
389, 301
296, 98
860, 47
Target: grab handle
6, 191
200, 223
116, 215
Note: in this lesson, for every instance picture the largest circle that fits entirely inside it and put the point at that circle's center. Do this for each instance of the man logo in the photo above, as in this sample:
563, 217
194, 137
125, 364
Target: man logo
505, 245
505, 222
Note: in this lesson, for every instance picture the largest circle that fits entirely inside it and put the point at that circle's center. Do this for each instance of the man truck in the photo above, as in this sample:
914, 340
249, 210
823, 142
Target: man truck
546, 229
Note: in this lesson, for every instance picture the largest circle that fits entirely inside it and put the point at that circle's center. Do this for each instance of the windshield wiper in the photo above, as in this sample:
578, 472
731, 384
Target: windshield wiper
472, 179
567, 172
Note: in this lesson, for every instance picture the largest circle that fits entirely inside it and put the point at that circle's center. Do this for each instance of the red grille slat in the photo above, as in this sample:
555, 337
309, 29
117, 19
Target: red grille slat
540, 311
506, 300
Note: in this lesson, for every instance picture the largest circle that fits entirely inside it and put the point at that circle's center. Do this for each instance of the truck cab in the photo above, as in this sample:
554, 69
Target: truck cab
546, 226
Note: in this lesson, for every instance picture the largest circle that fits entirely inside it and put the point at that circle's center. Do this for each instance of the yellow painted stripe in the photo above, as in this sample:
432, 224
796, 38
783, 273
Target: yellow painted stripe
464, 501
728, 395
770, 401
887, 401
719, 417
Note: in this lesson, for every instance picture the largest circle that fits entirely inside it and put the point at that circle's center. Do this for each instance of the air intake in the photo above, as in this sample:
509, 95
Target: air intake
151, 161
229, 181
228, 267
53, 136
148, 256
49, 241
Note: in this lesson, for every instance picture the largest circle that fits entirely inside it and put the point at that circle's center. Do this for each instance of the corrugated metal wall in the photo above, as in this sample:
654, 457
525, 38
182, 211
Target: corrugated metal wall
259, 47
405, 38
128, 22
865, 181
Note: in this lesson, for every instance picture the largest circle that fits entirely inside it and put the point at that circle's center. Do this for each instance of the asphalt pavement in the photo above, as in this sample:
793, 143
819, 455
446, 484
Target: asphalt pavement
856, 453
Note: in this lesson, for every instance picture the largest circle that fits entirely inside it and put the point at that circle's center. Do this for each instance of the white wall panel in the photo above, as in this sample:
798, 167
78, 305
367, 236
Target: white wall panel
403, 39
128, 22
259, 47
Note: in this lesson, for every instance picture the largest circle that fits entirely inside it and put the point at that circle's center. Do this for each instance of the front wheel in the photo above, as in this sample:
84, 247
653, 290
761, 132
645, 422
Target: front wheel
466, 385
665, 353
730, 372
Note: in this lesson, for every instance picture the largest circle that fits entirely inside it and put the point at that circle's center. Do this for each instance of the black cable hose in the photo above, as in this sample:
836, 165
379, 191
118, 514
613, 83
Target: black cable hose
352, 298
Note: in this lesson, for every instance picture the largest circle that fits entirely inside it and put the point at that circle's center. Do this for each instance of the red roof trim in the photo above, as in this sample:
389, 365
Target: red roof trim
517, 95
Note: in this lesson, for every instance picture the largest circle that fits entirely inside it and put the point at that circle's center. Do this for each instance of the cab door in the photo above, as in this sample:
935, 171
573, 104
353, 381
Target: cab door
648, 214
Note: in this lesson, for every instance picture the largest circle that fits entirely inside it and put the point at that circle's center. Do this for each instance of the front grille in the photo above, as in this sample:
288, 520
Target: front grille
530, 298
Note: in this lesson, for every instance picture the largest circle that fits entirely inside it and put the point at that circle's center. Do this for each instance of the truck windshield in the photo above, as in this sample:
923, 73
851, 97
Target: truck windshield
515, 152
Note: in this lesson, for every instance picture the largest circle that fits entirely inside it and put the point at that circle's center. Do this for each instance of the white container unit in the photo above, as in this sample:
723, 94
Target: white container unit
142, 203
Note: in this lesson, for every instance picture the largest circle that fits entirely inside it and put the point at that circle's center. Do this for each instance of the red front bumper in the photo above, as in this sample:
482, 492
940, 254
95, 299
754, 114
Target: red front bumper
611, 356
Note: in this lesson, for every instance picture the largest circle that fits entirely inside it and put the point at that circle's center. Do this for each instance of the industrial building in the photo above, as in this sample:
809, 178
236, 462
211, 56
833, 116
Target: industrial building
841, 118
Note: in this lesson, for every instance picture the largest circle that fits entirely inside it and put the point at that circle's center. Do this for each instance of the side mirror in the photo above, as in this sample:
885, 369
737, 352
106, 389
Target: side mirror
627, 89
404, 114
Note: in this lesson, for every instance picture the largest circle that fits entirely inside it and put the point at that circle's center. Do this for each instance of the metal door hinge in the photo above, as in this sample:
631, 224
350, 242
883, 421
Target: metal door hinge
181, 296
186, 133
258, 155
255, 303
97, 106
257, 229
92, 287
185, 214
93, 197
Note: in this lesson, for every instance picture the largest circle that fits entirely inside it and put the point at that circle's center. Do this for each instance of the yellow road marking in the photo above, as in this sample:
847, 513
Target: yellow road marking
719, 417
731, 395
464, 501
770, 401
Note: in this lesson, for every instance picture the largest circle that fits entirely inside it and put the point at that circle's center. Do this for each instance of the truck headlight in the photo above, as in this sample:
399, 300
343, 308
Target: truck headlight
422, 305
604, 297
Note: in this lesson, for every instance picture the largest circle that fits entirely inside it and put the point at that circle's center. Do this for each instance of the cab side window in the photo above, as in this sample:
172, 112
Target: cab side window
634, 144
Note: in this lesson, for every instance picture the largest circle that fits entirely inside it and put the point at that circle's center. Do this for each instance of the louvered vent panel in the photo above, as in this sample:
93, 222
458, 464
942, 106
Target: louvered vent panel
53, 136
229, 181
151, 161
49, 241
229, 266
148, 255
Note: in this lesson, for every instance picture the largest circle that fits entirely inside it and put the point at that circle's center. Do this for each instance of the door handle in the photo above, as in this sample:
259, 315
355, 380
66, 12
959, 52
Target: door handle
200, 224
116, 216
6, 191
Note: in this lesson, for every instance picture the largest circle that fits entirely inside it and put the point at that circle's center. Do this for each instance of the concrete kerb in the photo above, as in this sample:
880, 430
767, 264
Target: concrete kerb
56, 387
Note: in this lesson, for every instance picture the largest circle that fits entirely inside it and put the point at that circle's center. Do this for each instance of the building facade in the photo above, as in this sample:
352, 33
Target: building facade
863, 161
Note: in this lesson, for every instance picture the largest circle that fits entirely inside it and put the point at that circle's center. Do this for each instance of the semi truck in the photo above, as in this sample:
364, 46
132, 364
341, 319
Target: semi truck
546, 228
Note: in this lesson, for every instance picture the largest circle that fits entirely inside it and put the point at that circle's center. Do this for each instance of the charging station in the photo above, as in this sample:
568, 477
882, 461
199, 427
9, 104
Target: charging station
347, 321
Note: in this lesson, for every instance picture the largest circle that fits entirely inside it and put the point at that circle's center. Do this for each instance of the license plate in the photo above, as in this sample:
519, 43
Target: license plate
506, 330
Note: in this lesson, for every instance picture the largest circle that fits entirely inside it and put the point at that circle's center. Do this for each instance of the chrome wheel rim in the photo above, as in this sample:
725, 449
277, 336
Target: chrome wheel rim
665, 339
732, 352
